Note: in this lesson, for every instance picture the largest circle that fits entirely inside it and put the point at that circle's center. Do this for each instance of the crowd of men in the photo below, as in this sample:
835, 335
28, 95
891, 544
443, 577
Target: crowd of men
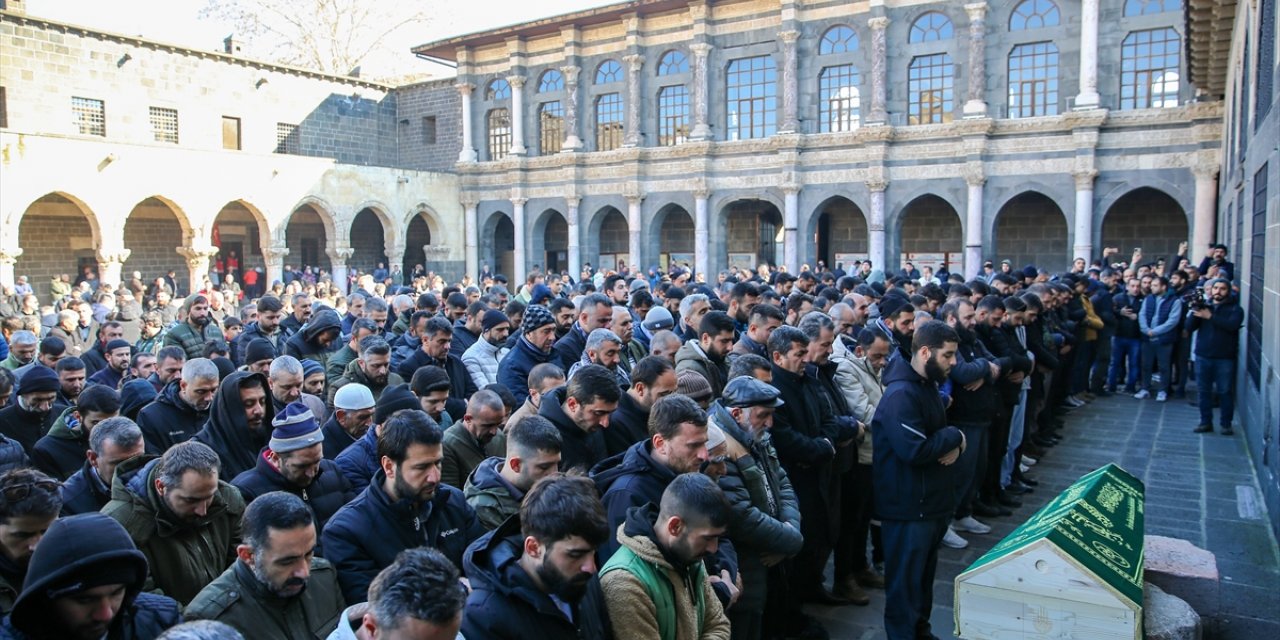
630, 456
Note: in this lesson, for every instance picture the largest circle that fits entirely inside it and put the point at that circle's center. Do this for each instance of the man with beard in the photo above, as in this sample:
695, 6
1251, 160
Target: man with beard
276, 589
764, 319
563, 311
595, 311
498, 485
678, 444
532, 349
743, 297
301, 314
337, 364
372, 369
914, 457
113, 441
534, 577
197, 330
580, 410
71, 379
615, 287
405, 506
97, 358
23, 521
693, 308
294, 462
22, 350
652, 379
466, 331
660, 561
180, 514
317, 339
483, 357
1217, 327
286, 377
708, 354
266, 327
75, 328
419, 594
897, 320
238, 421
603, 348
29, 418
436, 338
117, 361
465, 440
353, 409
182, 407
62, 451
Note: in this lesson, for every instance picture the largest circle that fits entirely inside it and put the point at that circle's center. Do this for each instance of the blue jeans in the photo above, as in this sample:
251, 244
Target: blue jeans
1216, 374
1124, 352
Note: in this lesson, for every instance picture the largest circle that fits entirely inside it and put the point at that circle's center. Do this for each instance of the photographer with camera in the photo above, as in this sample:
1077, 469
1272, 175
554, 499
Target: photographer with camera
1159, 320
1217, 344
1218, 263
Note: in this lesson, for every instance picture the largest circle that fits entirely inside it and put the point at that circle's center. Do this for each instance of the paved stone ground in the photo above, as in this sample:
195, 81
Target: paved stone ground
1200, 488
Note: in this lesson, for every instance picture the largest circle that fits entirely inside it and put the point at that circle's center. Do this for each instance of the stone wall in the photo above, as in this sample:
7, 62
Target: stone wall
367, 240
1148, 219
1030, 229
152, 234
55, 239
420, 107
930, 225
846, 231
677, 233
614, 238
305, 238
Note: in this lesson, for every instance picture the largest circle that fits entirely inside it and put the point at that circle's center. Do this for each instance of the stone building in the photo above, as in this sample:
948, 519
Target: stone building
1235, 55
127, 154
788, 131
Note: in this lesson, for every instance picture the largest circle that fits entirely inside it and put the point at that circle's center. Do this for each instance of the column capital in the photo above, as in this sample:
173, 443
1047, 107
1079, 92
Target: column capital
879, 23
570, 72
700, 49
1084, 179
10, 256
636, 60
465, 87
976, 10
516, 81
789, 36
340, 255
974, 176
1205, 170
468, 200
877, 185
518, 202
634, 198
572, 202
117, 256
275, 253
791, 188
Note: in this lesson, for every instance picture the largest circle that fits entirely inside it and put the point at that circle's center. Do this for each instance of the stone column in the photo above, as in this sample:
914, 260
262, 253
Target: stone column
879, 75
468, 152
976, 105
571, 140
8, 257
338, 261
791, 227
110, 263
395, 256
517, 216
575, 236
1088, 96
875, 226
517, 117
701, 237
632, 136
472, 223
701, 54
197, 263
1206, 207
973, 226
635, 234
1084, 215
790, 83
274, 257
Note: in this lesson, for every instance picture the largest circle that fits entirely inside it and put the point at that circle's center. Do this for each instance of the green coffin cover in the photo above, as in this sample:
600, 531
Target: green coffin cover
1097, 522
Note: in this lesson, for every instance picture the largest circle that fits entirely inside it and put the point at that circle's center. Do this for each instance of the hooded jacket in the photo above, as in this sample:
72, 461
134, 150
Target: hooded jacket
354, 373
505, 604
483, 362
80, 545
303, 344
522, 358
84, 492
240, 600
169, 420
692, 357
629, 479
328, 491
366, 535
578, 449
910, 432
628, 424
493, 498
184, 555
227, 431
862, 387
253, 331
697, 611
61, 452
766, 515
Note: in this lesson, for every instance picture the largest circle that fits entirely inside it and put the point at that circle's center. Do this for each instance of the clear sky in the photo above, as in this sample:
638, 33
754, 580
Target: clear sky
179, 22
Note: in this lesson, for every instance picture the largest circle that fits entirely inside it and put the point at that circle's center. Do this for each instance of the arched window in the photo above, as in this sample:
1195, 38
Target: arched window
1148, 7
838, 39
551, 80
839, 101
608, 71
499, 125
1149, 63
673, 62
550, 127
1033, 80
1034, 14
673, 115
931, 27
752, 85
497, 90
608, 122
929, 85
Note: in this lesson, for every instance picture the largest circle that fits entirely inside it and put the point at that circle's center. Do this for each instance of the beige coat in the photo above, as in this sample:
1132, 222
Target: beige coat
862, 390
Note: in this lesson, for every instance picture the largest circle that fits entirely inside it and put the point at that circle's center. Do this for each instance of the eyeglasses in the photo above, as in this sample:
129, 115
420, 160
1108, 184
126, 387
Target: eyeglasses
17, 492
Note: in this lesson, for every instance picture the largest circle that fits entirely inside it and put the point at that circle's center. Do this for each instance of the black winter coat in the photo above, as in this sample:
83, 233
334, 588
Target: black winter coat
629, 479
252, 332
11, 455
26, 427
327, 493
569, 348
169, 420
799, 428
628, 424
228, 432
514, 373
84, 492
461, 386
462, 338
365, 536
1219, 336
578, 449
358, 462
972, 408
303, 344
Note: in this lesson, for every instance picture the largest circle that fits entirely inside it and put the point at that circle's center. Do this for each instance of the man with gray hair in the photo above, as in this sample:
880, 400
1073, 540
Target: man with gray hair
604, 348
466, 439
664, 344
594, 312
692, 309
111, 442
22, 350
420, 591
181, 494
372, 369
181, 408
285, 378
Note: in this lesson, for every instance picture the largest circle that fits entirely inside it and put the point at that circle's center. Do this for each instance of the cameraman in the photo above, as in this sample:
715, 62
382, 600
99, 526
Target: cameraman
1159, 320
1218, 258
1182, 286
1217, 344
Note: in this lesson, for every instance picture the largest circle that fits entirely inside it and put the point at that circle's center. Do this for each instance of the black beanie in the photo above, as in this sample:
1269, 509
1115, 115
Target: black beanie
393, 399
38, 380
258, 349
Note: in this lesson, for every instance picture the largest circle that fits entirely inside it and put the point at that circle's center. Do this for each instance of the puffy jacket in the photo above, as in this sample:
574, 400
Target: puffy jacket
184, 556
578, 449
569, 348
88, 542
336, 439
366, 535
240, 600
354, 373
628, 424
910, 432
359, 462
1219, 336
169, 420
227, 432
863, 388
493, 498
516, 366
766, 515
693, 358
505, 604
482, 361
84, 492
1163, 315
61, 452
328, 491
253, 331
303, 343
460, 385
629, 479
1003, 343
1092, 322
11, 455
192, 340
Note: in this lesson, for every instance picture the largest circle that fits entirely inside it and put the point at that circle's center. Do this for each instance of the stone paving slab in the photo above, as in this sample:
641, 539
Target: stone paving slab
1197, 488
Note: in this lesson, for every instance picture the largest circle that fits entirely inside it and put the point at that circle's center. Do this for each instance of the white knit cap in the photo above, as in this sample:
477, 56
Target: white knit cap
352, 397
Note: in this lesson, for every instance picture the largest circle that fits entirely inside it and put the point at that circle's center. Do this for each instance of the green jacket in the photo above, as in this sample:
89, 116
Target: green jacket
185, 336
493, 498
12, 362
462, 454
184, 557
353, 373
238, 599
337, 364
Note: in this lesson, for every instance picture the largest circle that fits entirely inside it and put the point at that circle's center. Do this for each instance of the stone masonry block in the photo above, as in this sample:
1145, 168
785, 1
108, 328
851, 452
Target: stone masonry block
1167, 617
1184, 570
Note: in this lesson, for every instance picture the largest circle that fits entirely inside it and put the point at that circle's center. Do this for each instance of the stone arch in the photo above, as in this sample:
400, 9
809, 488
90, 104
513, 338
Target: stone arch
58, 233
549, 241
242, 228
673, 234
417, 234
1030, 228
498, 242
320, 207
838, 227
150, 232
753, 232
368, 238
928, 225
307, 232
610, 237
429, 216
1141, 218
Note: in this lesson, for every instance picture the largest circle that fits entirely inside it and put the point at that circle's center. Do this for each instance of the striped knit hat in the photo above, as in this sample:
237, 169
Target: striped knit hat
295, 428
